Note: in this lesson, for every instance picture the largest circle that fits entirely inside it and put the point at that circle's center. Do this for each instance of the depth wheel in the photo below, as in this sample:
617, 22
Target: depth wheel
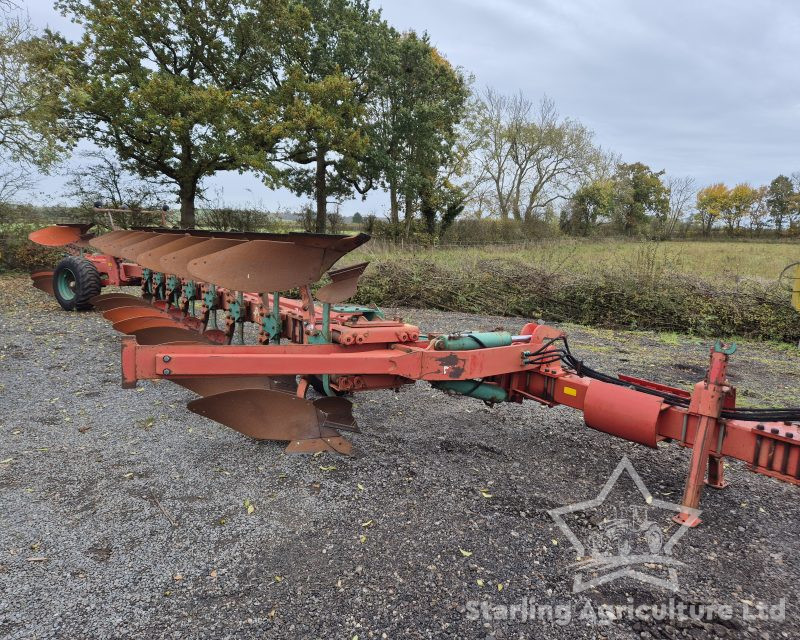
75, 282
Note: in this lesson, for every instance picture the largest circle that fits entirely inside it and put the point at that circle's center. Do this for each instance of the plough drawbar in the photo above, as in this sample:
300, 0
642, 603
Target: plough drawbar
188, 277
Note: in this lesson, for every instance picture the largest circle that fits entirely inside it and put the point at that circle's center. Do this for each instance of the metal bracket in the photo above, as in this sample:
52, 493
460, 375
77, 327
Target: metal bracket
721, 347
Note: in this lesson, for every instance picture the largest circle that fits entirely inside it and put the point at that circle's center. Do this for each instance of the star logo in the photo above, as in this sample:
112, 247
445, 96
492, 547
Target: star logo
626, 544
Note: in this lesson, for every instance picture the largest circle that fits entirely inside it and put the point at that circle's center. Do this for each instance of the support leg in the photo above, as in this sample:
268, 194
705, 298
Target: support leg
697, 472
706, 402
716, 473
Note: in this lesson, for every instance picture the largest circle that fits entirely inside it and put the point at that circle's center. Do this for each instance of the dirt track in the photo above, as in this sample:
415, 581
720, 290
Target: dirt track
122, 515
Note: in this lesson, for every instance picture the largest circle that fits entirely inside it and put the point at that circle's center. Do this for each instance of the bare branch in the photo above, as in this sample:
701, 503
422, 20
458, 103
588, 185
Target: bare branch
527, 156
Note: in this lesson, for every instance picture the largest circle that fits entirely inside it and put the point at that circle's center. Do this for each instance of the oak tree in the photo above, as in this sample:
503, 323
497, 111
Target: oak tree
738, 205
178, 89
591, 204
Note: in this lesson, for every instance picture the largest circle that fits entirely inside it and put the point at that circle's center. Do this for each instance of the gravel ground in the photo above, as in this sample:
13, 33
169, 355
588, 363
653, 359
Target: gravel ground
123, 515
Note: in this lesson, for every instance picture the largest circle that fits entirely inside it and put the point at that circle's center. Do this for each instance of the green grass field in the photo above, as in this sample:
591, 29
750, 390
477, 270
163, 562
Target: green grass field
716, 261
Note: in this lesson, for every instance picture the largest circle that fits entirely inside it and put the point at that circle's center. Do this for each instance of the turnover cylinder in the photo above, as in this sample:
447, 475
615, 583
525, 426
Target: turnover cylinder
473, 389
470, 341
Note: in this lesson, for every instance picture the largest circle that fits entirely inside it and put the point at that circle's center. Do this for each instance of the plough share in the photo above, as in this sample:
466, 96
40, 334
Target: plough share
187, 277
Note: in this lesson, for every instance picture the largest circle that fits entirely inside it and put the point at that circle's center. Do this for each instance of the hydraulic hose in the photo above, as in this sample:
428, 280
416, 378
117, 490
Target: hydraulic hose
769, 414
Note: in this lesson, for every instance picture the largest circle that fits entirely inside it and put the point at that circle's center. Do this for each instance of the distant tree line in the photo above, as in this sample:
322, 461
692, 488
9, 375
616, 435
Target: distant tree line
775, 206
637, 200
327, 99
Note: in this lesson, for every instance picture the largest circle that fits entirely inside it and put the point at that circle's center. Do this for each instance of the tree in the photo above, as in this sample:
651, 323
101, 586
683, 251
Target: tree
759, 210
711, 201
780, 201
100, 177
738, 205
682, 192
795, 202
590, 204
454, 204
306, 217
440, 203
335, 221
177, 88
529, 156
640, 195
414, 122
331, 76
29, 100
357, 218
29, 107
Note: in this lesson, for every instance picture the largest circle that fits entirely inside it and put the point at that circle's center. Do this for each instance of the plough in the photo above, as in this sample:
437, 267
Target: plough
187, 277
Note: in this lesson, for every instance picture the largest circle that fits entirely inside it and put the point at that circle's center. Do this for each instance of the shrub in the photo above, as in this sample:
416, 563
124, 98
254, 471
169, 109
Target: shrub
624, 297
228, 219
20, 254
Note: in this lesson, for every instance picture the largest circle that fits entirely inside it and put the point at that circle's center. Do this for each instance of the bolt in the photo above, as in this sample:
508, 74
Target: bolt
166, 358
166, 372
789, 434
760, 427
775, 430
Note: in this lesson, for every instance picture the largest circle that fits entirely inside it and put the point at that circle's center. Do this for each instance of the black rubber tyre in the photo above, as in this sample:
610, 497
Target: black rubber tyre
75, 282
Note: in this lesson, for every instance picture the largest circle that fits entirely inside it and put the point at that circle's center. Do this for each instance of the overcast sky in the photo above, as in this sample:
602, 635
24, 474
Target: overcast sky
706, 89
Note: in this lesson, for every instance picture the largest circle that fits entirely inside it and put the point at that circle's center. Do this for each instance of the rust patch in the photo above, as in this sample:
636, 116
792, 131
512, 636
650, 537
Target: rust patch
452, 366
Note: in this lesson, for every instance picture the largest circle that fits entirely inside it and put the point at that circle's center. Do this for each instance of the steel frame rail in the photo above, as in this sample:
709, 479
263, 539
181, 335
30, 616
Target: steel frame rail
771, 449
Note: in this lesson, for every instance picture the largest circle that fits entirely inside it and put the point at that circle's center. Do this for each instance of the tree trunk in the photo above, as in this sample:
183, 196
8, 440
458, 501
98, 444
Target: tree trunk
187, 191
409, 215
427, 210
502, 210
527, 216
394, 207
321, 192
